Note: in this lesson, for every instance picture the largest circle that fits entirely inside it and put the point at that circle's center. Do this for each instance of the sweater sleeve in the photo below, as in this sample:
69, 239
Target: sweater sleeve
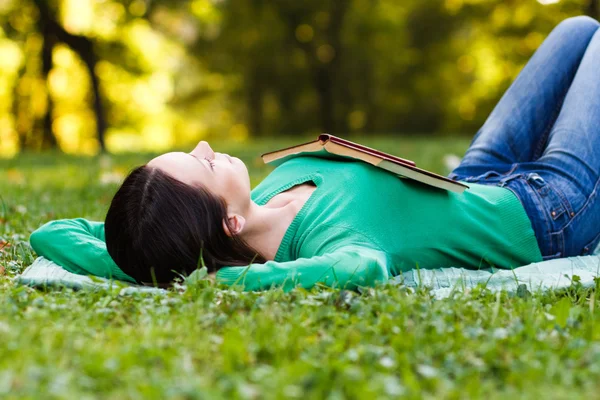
77, 245
347, 268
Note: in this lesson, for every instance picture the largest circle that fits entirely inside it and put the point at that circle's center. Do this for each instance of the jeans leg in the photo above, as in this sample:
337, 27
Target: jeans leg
573, 151
517, 129
574, 143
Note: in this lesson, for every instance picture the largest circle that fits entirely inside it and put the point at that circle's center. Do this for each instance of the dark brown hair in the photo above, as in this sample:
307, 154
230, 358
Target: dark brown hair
158, 227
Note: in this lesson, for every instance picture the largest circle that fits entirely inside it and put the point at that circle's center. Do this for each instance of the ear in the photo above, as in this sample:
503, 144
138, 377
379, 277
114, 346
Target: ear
236, 222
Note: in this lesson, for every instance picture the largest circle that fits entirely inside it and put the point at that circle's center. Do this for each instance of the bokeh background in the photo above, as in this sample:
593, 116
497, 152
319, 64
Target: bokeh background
86, 76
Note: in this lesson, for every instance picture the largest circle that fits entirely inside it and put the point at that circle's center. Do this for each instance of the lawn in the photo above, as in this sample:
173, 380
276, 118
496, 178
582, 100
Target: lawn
207, 342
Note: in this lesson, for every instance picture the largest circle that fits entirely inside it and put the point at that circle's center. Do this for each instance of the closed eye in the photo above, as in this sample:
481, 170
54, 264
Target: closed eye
211, 163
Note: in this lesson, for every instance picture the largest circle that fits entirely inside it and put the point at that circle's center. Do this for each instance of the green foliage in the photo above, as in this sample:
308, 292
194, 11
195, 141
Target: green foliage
169, 72
209, 342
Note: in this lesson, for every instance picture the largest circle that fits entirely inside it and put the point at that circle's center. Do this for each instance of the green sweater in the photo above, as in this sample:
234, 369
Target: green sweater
360, 226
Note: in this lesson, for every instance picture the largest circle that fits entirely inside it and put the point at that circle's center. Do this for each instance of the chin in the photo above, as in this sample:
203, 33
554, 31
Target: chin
239, 164
241, 168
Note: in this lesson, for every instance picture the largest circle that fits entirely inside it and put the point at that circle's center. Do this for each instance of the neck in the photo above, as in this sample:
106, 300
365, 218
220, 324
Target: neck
266, 226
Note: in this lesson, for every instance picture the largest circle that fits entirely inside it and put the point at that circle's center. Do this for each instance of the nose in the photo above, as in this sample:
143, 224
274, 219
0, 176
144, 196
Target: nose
203, 150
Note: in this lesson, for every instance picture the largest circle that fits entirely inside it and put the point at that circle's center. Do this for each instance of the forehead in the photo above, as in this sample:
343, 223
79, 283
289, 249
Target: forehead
180, 166
167, 158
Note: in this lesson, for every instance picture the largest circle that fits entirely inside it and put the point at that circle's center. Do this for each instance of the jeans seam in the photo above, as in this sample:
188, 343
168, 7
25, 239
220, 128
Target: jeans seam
566, 203
541, 144
538, 200
591, 245
588, 200
540, 147
562, 238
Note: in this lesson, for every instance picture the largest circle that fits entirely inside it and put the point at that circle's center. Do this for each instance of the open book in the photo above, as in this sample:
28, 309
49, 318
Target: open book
329, 144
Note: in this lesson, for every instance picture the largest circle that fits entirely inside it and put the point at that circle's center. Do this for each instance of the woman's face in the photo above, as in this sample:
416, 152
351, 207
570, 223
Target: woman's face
223, 175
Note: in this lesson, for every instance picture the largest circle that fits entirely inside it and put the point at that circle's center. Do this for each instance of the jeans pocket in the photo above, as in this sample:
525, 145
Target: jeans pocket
591, 246
552, 201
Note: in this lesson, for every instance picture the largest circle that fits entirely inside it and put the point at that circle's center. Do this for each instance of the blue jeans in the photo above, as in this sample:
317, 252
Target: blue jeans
542, 141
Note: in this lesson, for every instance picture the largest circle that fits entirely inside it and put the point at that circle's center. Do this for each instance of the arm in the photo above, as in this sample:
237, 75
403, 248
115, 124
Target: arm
347, 268
77, 245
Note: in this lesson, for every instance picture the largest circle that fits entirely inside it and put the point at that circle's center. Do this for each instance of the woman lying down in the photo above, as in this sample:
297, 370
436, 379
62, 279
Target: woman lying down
533, 172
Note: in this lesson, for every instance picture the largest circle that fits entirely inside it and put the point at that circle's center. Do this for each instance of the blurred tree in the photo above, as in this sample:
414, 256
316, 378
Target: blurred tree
33, 23
52, 34
594, 9
148, 74
316, 27
364, 65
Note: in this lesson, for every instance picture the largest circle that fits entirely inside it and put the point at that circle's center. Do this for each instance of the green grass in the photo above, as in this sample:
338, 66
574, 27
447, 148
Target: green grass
207, 342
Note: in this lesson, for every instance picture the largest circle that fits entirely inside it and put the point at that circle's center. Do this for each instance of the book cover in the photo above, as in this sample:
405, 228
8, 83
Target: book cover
326, 145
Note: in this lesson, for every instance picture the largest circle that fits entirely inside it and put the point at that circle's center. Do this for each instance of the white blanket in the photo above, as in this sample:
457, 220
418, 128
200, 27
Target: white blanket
44, 273
554, 274
559, 273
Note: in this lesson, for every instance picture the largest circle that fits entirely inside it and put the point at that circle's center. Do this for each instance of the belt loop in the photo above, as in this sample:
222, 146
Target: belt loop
503, 181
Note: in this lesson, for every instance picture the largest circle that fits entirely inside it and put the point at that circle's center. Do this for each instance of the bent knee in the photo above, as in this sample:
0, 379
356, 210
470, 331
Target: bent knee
579, 23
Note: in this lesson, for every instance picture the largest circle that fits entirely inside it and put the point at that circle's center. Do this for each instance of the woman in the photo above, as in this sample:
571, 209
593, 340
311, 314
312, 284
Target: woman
533, 178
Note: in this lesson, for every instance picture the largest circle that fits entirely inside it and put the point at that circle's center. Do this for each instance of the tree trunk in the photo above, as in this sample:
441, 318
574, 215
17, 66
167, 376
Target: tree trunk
17, 111
324, 74
89, 57
594, 9
324, 85
84, 47
48, 138
334, 33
